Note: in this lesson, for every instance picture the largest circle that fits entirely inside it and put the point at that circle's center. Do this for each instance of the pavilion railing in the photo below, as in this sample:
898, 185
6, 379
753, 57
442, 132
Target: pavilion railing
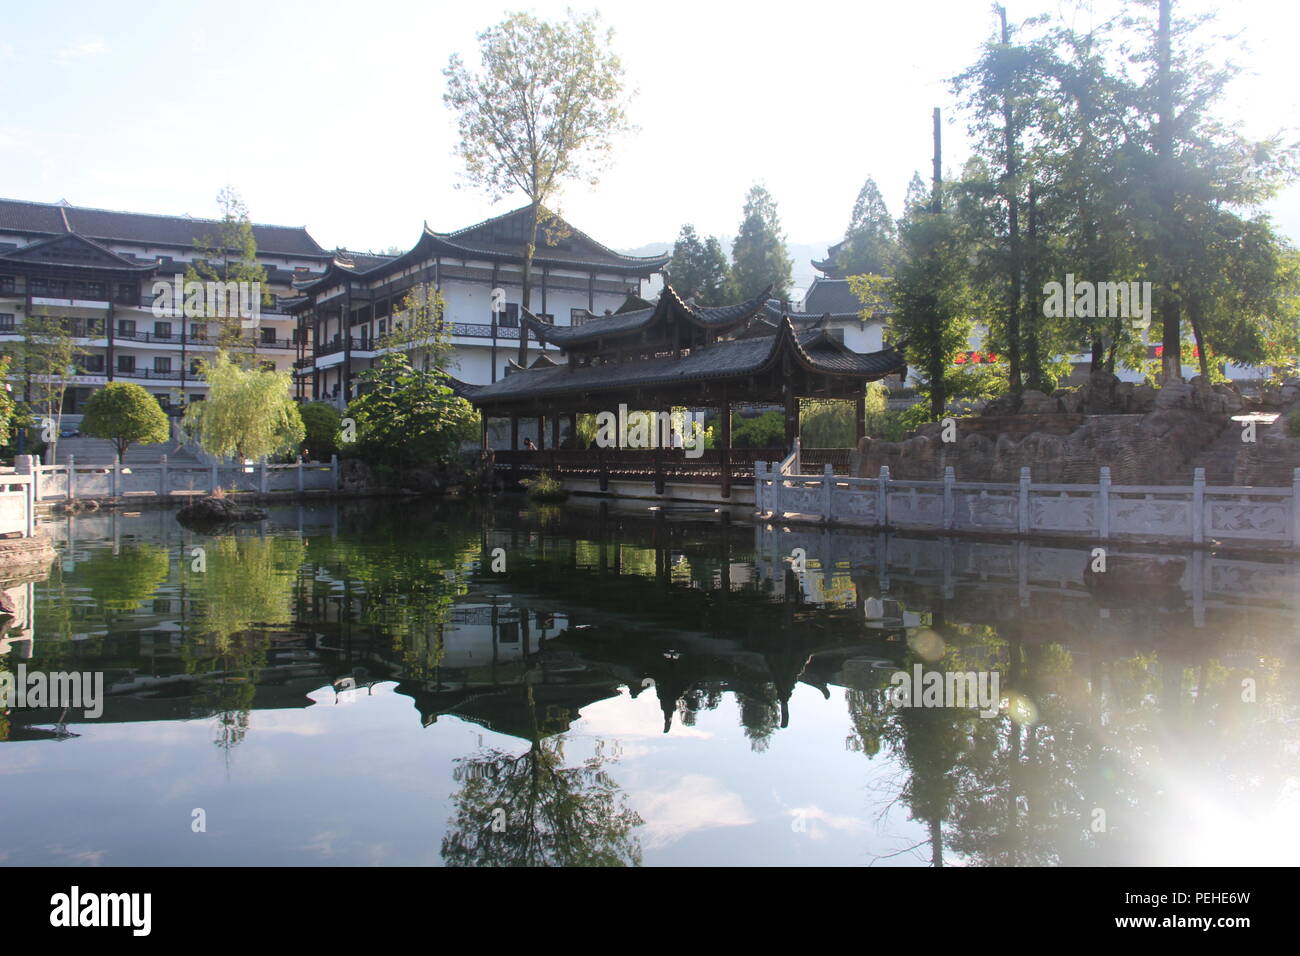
641, 464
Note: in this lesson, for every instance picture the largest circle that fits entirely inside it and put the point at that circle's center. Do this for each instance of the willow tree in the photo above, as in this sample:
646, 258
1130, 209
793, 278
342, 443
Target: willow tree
249, 413
543, 110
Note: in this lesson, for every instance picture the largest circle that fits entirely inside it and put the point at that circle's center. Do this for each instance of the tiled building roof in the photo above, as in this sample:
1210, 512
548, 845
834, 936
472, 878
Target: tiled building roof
108, 225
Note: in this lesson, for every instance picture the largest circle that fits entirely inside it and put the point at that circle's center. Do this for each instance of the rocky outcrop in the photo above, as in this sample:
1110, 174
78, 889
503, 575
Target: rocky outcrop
211, 513
467, 474
1073, 442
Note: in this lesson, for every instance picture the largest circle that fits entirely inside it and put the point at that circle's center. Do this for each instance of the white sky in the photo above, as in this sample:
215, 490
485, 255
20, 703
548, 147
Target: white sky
330, 115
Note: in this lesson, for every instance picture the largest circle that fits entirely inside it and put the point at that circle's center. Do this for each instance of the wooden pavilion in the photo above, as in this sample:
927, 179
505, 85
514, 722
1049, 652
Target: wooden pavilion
673, 354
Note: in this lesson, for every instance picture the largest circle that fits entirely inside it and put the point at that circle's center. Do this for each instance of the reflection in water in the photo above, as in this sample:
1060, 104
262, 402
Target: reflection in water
1151, 712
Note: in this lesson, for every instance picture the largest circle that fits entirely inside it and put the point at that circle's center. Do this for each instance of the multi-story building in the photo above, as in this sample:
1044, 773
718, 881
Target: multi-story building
96, 268
344, 315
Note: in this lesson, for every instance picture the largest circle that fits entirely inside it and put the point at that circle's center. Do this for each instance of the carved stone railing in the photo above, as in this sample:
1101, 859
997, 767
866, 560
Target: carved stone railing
1194, 514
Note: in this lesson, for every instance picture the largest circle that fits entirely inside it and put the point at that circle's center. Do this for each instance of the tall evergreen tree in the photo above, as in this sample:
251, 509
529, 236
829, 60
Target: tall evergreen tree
1190, 164
870, 244
699, 269
758, 254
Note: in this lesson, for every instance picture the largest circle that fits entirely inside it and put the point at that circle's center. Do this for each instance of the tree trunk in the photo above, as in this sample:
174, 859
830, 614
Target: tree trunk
938, 398
1009, 172
530, 248
1194, 316
1171, 338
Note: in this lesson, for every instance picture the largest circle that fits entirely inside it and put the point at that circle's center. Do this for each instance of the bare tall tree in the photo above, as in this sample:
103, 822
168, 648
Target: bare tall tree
543, 110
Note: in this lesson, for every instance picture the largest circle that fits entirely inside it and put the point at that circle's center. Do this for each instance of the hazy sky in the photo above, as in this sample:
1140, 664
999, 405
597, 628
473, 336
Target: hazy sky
331, 116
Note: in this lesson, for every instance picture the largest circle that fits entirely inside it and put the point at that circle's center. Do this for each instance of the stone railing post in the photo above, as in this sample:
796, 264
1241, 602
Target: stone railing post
1197, 515
300, 478
1103, 503
760, 493
334, 470
114, 476
949, 501
262, 478
1023, 509
31, 506
72, 476
212, 488
828, 488
1295, 508
775, 489
164, 477
882, 498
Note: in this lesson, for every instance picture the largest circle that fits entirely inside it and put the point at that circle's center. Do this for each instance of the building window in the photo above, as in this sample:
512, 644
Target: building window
162, 363
510, 318
546, 317
162, 330
194, 366
126, 328
268, 336
578, 316
198, 332
127, 293
126, 363
6, 321
94, 364
7, 284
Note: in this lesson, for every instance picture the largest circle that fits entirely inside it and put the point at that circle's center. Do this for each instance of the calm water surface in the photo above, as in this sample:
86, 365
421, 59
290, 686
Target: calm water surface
467, 685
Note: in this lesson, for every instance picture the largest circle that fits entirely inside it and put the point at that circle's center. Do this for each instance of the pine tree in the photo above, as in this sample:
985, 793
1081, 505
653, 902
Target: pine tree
758, 253
870, 244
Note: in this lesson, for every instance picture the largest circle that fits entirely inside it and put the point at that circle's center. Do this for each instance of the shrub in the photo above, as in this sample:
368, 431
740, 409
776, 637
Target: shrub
545, 487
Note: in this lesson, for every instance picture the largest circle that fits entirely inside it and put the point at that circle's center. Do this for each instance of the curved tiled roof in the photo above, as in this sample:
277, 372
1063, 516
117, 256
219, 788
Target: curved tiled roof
736, 357
714, 318
479, 241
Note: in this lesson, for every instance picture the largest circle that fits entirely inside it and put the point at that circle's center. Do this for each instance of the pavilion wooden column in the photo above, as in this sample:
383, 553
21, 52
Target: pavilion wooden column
541, 432
724, 449
514, 446
860, 403
573, 429
555, 431
483, 419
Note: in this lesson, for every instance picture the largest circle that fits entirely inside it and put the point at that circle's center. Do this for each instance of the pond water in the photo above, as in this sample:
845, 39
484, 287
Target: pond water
466, 684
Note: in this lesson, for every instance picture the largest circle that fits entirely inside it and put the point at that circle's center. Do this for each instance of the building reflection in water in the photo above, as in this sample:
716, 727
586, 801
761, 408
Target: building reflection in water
1159, 692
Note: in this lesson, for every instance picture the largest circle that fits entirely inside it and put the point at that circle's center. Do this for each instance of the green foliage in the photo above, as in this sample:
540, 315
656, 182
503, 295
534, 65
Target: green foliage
320, 422
126, 415
758, 252
545, 487
699, 269
833, 423
761, 431
406, 416
899, 424
11, 415
931, 296
249, 413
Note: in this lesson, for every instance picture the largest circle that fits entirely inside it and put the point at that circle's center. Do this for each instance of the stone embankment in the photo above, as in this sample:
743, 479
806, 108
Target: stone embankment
1145, 435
